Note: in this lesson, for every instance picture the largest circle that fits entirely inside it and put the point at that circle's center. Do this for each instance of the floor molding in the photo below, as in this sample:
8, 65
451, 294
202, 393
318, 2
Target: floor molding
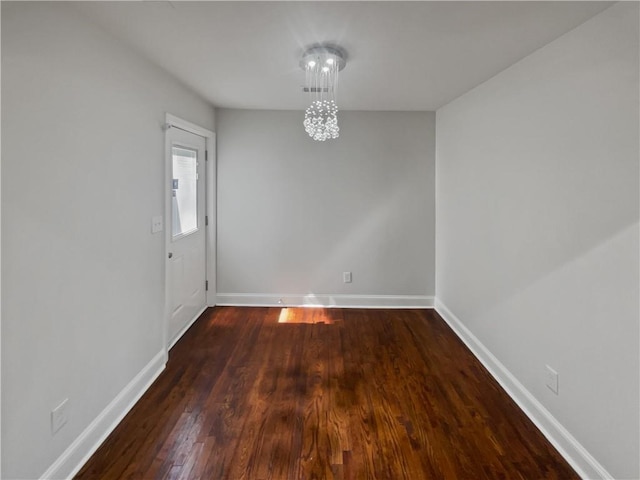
77, 454
576, 455
312, 300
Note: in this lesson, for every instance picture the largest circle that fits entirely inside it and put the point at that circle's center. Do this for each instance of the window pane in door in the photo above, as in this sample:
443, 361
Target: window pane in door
184, 201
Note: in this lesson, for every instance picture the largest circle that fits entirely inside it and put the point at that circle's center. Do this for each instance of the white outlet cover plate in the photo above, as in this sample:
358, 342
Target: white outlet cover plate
552, 379
59, 416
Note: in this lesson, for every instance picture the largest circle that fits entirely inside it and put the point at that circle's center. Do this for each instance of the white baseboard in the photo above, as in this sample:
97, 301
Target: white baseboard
77, 454
312, 300
576, 455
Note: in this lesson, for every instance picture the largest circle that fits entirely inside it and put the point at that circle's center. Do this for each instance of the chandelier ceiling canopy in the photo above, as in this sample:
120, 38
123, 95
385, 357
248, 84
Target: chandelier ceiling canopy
321, 64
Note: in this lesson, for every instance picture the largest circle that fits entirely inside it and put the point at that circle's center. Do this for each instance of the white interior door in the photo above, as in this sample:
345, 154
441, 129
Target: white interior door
186, 235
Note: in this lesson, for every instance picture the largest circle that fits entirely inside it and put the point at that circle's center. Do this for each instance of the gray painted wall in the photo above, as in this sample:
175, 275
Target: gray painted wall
537, 227
293, 214
82, 175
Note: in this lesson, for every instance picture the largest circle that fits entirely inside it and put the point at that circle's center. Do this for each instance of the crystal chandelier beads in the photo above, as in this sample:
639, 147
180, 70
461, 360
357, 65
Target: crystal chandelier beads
321, 65
321, 121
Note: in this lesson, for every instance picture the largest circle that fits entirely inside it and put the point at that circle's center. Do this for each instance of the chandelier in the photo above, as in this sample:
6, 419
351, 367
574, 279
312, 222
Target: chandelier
321, 65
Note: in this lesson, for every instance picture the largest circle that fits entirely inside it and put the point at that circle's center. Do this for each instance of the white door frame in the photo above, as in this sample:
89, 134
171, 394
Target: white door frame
210, 212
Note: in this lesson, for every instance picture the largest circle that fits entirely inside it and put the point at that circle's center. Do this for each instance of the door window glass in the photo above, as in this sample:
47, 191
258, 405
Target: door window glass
184, 201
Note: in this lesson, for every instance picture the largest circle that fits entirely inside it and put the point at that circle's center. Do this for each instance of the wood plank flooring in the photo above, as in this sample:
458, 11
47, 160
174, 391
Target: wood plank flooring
270, 393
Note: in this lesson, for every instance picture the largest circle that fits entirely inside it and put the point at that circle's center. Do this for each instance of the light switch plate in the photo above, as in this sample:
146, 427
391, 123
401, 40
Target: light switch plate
157, 224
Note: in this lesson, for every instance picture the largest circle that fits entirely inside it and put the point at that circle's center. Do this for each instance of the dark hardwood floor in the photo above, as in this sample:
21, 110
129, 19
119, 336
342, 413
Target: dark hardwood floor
269, 393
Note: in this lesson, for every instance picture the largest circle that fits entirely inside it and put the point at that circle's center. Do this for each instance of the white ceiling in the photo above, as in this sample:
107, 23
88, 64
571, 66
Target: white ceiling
401, 55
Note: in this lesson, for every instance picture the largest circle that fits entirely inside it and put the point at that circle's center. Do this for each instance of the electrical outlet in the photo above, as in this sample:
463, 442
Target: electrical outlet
59, 416
552, 379
346, 277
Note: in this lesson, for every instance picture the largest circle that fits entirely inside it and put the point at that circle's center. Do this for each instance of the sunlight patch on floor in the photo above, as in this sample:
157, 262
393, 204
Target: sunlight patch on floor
305, 315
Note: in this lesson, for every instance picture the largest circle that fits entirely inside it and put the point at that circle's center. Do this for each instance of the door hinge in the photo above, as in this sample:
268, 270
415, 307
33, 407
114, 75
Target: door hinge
206, 285
206, 155
206, 220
